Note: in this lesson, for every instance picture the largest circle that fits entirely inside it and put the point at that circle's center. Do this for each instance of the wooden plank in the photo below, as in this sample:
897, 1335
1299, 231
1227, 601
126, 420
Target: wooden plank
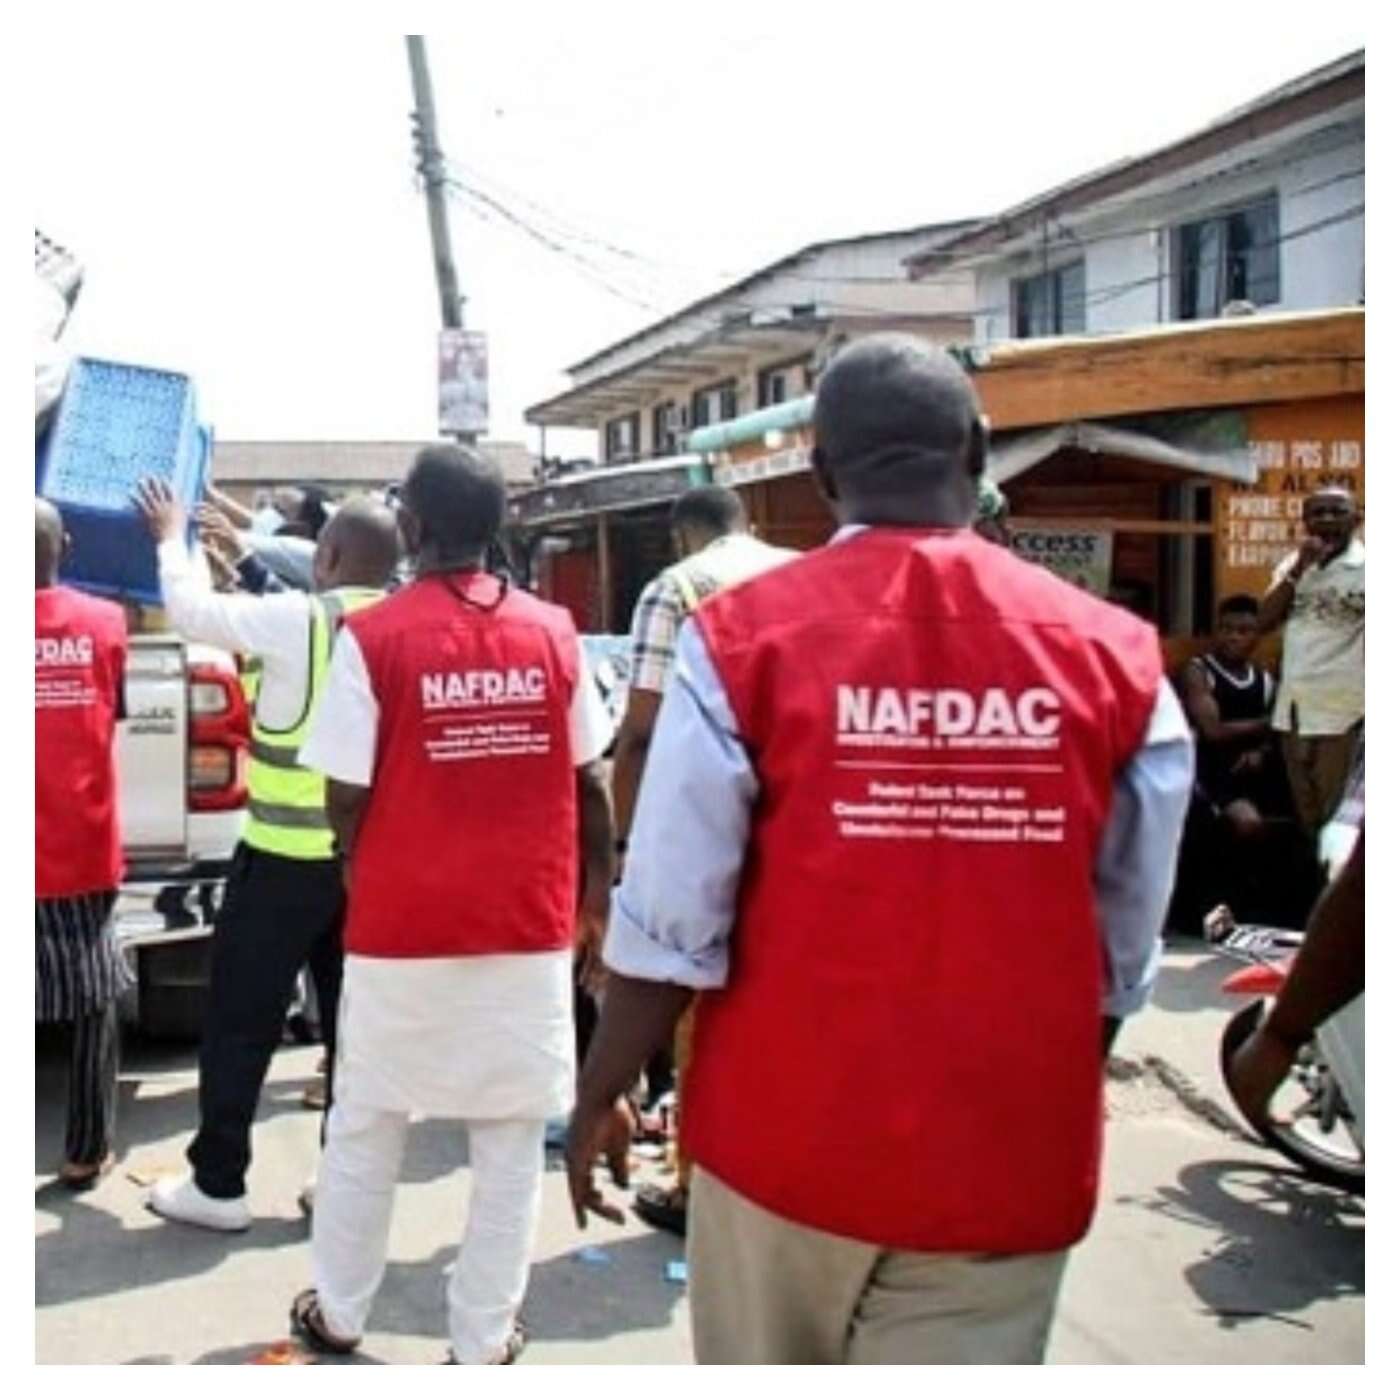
1122, 525
1245, 361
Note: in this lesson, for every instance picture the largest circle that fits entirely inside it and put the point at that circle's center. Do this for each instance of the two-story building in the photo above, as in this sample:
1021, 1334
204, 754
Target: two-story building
1264, 207
756, 344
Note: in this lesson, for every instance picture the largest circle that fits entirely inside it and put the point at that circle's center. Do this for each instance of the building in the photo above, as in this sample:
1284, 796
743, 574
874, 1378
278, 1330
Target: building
755, 343
1264, 207
244, 469
594, 538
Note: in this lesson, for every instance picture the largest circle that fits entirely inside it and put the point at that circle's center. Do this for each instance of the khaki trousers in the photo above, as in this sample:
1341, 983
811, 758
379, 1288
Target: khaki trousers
1318, 767
766, 1291
680, 1056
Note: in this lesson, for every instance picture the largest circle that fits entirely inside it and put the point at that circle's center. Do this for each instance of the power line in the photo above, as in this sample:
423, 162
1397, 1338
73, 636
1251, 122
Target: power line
600, 276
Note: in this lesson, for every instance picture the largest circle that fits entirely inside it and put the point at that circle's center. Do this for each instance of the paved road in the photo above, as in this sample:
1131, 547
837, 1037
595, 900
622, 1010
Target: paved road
1206, 1247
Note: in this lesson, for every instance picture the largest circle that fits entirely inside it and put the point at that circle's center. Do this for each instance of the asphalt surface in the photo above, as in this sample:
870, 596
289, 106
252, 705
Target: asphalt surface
1207, 1247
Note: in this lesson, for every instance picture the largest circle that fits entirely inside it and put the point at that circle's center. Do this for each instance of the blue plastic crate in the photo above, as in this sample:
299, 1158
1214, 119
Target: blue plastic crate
117, 425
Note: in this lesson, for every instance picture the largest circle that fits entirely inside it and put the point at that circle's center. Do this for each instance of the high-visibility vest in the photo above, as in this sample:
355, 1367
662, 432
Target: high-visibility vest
936, 727
286, 802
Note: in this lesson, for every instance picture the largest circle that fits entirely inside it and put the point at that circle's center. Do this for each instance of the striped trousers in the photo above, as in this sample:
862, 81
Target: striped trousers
93, 1041
78, 976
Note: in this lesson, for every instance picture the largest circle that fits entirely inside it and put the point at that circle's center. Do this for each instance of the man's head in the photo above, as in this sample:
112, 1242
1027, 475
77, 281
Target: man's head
704, 514
452, 506
900, 437
1236, 628
1330, 515
359, 547
50, 543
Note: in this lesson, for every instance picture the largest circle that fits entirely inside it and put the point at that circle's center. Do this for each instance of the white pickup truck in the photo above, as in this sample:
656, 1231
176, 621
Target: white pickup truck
182, 759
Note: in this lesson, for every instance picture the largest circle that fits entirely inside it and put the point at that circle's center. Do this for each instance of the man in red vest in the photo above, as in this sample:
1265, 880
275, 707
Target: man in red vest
79, 675
459, 734
910, 818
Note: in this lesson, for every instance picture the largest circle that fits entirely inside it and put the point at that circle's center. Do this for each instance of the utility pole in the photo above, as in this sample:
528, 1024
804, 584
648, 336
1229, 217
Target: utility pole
430, 167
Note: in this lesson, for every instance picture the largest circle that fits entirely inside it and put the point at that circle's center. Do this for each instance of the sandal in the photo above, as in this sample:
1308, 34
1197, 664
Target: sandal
662, 1208
83, 1176
515, 1344
310, 1326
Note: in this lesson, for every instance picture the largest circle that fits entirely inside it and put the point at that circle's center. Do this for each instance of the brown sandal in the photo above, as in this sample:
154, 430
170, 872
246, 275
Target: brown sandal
515, 1344
309, 1324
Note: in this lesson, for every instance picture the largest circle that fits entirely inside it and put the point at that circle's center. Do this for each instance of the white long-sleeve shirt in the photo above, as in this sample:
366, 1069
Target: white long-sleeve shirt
275, 628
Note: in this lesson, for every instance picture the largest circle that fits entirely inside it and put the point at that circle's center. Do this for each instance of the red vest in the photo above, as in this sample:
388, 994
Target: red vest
469, 844
908, 1050
79, 671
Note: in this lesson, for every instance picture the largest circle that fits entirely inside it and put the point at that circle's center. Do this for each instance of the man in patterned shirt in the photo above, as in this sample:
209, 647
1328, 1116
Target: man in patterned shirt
711, 537
1319, 597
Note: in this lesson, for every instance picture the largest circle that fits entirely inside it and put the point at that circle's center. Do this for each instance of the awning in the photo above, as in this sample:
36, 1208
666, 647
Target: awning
630, 487
1014, 453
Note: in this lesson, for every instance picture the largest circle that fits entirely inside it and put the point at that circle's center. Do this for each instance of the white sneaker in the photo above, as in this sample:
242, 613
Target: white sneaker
178, 1198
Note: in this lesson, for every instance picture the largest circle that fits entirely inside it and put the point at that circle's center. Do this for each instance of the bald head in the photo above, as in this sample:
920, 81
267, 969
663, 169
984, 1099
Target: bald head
899, 435
48, 543
1330, 514
359, 547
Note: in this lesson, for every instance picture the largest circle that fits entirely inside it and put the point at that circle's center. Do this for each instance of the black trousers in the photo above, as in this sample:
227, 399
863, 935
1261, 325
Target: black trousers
94, 1042
278, 915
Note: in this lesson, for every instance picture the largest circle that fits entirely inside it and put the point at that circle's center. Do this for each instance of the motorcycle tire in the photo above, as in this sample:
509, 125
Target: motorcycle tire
1329, 1168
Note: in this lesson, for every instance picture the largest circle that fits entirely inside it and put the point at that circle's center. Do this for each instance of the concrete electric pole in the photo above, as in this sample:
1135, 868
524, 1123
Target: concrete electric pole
430, 167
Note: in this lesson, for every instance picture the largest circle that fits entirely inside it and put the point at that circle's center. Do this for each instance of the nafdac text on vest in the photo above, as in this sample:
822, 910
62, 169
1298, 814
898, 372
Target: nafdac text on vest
891, 717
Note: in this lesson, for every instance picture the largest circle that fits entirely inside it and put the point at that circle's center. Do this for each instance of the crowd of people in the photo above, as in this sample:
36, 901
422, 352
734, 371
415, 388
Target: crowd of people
868, 807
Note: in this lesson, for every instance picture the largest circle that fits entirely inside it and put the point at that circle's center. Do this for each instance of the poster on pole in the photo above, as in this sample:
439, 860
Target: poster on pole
1081, 557
463, 382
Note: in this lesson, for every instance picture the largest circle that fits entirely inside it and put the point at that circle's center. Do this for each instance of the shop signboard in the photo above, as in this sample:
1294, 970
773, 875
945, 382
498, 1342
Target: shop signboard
1297, 448
1081, 557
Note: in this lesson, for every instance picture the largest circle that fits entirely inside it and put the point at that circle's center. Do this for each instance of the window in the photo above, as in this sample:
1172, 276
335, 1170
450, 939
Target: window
621, 444
1229, 257
772, 387
666, 428
1051, 303
717, 404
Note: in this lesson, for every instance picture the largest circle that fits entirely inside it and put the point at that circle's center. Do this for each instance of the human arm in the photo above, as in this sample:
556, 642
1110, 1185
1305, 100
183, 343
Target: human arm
1274, 606
240, 515
251, 626
655, 627
1328, 973
669, 931
1204, 711
1136, 863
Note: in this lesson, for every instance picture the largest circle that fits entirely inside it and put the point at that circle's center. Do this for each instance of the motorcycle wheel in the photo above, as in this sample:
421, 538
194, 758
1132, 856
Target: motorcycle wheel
1315, 1152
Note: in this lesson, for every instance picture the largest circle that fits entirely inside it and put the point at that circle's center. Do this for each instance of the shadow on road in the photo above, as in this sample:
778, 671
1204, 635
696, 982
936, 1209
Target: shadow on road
1283, 1241
92, 1254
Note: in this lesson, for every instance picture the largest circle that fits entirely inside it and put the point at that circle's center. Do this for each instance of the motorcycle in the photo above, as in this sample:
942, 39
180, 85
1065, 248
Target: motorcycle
1319, 1115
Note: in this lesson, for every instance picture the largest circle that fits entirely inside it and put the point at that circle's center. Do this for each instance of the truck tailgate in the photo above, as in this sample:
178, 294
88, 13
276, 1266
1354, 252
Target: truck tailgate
152, 750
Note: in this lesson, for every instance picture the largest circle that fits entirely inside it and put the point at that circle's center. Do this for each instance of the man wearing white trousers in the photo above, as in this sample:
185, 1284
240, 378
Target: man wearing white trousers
459, 734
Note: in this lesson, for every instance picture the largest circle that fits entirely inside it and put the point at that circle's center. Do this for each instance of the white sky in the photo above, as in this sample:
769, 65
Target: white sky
246, 205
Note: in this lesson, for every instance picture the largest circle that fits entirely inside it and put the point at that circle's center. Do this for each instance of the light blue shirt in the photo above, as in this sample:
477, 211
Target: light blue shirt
673, 913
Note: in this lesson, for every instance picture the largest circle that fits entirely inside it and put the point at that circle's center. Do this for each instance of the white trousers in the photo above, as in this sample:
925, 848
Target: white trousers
355, 1199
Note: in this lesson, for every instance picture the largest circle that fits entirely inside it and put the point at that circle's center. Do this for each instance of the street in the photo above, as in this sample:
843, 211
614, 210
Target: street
1207, 1247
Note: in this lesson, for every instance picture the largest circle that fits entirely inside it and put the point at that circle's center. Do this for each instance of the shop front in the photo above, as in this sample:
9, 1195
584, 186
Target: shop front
1164, 470
590, 541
